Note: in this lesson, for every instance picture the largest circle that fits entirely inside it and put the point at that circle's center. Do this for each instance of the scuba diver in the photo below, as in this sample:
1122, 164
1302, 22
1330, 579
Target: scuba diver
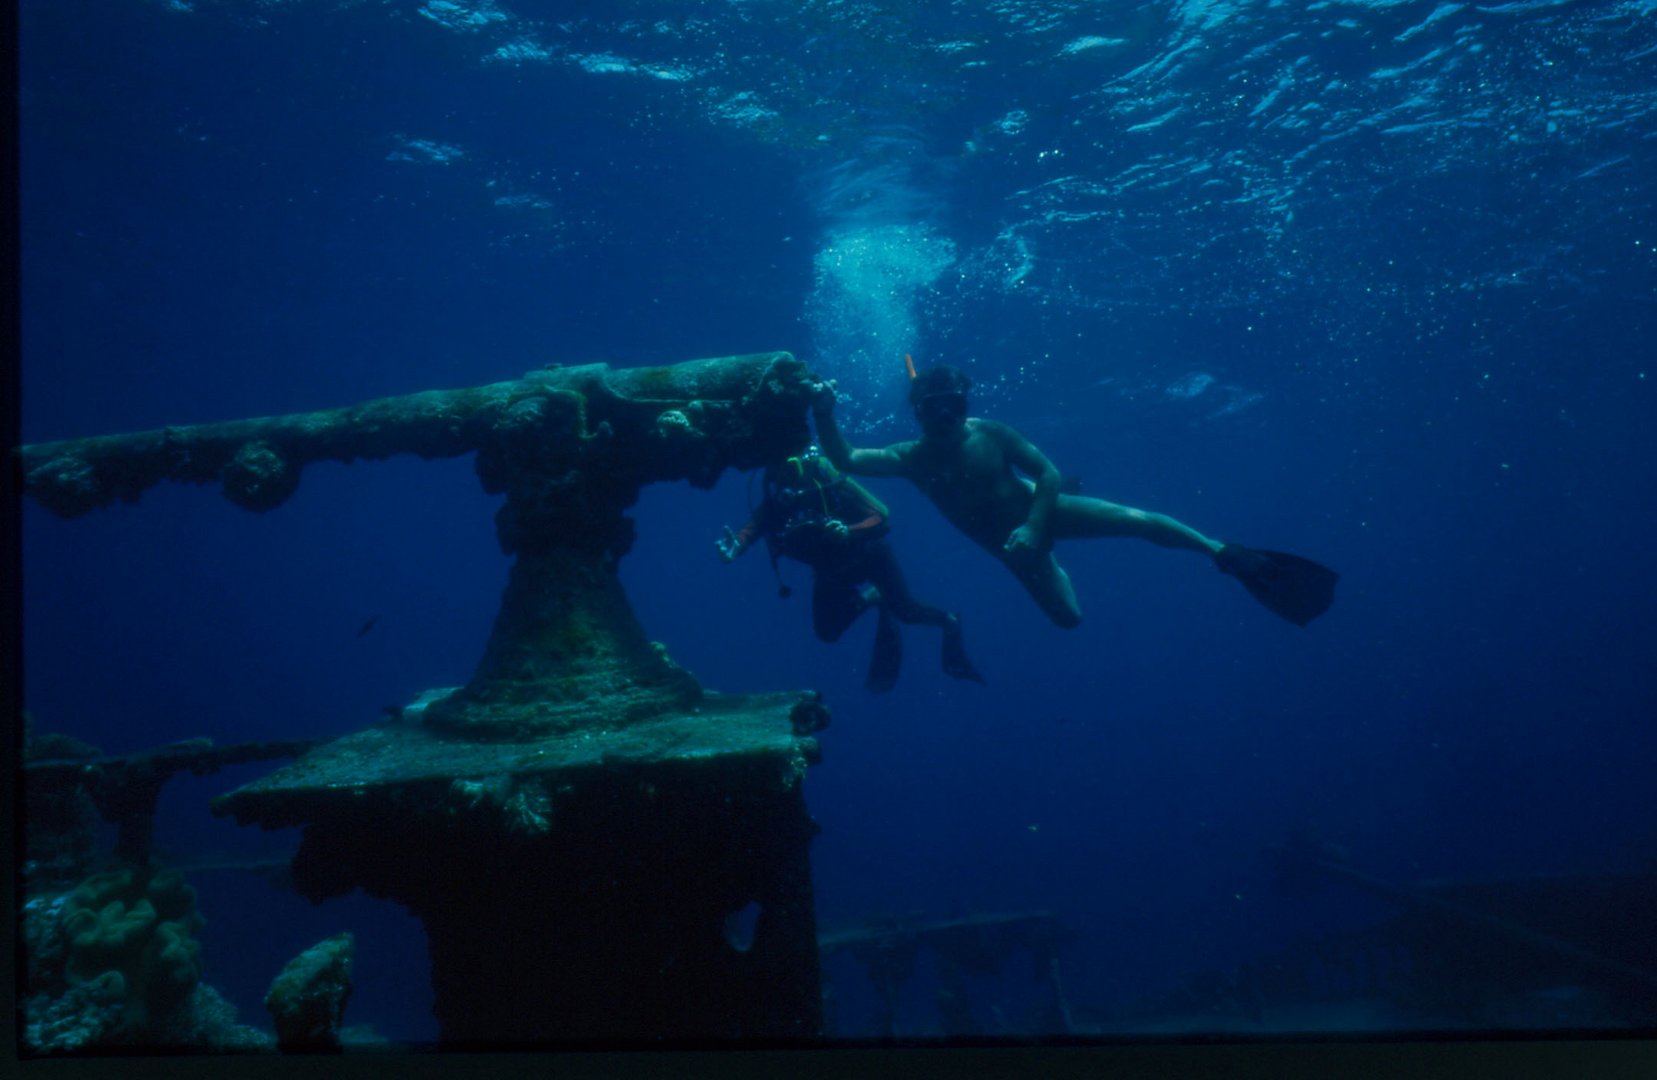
813, 514
965, 466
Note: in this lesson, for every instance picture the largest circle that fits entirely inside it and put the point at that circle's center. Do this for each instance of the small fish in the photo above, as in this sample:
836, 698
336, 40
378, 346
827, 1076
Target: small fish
367, 626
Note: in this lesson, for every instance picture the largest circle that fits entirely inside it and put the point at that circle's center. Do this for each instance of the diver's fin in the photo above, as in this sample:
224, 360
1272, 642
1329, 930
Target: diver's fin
956, 663
1297, 589
888, 655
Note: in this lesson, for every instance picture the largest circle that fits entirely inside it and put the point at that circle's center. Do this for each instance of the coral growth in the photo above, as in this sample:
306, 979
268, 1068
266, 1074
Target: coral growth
112, 964
137, 925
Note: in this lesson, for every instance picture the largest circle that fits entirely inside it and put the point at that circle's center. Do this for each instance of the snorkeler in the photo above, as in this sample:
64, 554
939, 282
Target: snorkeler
813, 514
965, 466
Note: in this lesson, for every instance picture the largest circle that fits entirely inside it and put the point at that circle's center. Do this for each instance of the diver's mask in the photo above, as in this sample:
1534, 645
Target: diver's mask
796, 478
942, 411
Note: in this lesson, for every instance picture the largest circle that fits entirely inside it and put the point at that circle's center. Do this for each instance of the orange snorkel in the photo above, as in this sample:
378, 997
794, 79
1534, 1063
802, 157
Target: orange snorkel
909, 362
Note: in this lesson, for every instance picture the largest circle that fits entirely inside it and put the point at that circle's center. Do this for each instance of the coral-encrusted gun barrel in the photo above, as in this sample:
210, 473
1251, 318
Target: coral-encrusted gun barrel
686, 421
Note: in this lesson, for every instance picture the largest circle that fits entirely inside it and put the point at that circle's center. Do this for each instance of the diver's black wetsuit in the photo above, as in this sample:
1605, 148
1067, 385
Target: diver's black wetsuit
813, 515
836, 600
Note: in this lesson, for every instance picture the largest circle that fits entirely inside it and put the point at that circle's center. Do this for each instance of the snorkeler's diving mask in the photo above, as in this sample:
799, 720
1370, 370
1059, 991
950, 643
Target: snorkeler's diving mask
949, 406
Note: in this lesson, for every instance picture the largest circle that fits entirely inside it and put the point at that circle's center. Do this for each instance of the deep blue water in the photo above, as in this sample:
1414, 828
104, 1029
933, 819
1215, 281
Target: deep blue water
1375, 282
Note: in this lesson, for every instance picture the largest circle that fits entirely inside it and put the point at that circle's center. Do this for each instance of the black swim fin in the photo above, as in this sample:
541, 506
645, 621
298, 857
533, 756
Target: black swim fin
1297, 589
956, 663
887, 657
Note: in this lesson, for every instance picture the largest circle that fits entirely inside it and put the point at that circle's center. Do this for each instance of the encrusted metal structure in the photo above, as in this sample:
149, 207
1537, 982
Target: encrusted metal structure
576, 824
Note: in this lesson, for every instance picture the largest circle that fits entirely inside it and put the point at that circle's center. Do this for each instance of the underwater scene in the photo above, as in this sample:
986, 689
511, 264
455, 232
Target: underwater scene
688, 523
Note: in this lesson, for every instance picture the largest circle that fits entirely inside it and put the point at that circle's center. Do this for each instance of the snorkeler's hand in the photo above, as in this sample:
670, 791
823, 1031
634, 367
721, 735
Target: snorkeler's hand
1023, 542
836, 530
728, 546
824, 395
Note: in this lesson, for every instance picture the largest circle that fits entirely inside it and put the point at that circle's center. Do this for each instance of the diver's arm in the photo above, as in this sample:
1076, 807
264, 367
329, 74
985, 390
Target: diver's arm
835, 447
873, 516
733, 544
1022, 454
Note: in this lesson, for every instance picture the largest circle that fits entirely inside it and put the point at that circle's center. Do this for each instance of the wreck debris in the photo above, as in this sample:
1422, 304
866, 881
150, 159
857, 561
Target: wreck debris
307, 1000
575, 824
125, 788
976, 945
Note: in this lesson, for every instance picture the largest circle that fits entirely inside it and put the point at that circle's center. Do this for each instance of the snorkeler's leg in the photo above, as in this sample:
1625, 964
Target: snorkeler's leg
1081, 516
1047, 583
1292, 586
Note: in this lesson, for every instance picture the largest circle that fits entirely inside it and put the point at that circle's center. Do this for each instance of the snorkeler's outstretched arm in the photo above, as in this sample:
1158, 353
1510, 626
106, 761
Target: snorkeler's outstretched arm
1037, 531
886, 462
